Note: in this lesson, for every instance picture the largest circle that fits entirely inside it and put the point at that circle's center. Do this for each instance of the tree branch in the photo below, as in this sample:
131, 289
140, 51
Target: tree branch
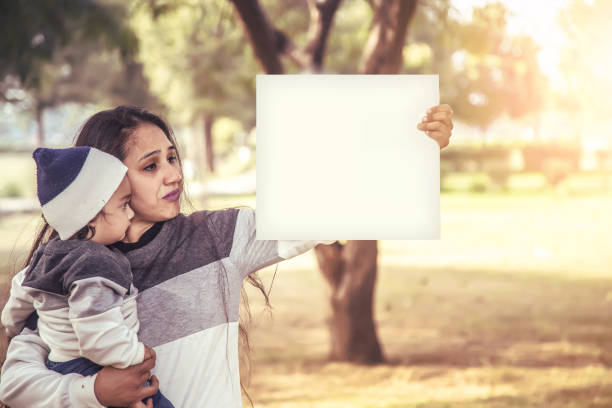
7, 99
322, 13
383, 51
372, 4
261, 35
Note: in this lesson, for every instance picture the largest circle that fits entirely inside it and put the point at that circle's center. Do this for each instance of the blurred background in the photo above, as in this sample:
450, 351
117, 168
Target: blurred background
511, 308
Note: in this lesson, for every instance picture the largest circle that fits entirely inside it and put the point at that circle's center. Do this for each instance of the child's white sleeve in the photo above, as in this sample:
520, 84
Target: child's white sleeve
20, 305
250, 254
26, 381
97, 319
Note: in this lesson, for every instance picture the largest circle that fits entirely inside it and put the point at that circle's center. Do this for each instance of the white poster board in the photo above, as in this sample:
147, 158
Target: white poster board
340, 157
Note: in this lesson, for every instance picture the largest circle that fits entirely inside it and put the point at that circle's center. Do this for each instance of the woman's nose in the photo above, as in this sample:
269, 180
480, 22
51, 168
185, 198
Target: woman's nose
173, 175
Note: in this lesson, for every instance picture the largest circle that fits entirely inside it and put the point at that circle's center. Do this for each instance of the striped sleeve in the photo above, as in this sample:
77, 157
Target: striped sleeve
95, 314
250, 254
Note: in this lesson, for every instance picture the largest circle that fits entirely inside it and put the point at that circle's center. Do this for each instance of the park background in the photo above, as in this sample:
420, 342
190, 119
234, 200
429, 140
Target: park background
511, 308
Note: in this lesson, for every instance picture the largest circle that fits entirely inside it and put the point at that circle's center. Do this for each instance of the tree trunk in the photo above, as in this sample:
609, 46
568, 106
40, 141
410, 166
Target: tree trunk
321, 19
261, 34
208, 142
350, 271
383, 50
39, 138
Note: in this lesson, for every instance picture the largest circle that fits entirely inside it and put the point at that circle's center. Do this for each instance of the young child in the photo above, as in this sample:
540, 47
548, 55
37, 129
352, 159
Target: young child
81, 289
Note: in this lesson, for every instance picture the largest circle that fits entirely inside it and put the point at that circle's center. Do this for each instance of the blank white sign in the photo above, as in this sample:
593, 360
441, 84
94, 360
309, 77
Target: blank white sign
340, 157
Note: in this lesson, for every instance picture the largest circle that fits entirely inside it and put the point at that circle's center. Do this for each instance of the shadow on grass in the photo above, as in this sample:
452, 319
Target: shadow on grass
580, 397
592, 396
479, 318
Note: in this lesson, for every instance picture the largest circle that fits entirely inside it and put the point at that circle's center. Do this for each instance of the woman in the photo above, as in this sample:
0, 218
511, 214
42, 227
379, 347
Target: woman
189, 271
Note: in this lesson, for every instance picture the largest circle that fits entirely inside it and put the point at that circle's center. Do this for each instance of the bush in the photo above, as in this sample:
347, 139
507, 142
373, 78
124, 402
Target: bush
479, 186
10, 190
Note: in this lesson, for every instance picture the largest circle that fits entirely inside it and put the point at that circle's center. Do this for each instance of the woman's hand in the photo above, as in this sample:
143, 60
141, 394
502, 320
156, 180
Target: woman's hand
438, 124
121, 387
140, 404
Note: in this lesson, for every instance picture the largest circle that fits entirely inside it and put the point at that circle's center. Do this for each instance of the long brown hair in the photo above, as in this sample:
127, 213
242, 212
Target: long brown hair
110, 131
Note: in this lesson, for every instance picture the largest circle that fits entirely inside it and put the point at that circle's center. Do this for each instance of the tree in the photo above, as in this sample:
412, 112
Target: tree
194, 53
484, 73
586, 62
80, 52
351, 268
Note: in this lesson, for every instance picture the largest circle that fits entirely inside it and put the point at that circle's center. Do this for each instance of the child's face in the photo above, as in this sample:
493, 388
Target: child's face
112, 223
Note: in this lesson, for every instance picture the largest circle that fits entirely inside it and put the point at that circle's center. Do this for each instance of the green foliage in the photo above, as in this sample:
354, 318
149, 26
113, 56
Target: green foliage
478, 186
484, 72
82, 51
586, 61
197, 59
35, 30
225, 130
348, 37
18, 175
86, 73
10, 190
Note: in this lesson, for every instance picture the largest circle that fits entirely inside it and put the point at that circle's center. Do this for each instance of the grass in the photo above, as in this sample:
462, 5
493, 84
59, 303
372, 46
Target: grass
452, 338
459, 337
18, 174
511, 308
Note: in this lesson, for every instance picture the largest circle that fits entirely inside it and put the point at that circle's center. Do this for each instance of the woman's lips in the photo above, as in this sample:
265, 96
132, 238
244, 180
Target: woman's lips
172, 196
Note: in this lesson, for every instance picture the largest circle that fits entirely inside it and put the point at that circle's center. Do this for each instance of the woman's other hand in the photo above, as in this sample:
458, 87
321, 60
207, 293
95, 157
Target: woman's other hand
438, 124
148, 353
140, 404
121, 387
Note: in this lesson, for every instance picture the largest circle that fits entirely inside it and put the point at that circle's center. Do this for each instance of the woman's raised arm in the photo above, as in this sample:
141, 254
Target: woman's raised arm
250, 254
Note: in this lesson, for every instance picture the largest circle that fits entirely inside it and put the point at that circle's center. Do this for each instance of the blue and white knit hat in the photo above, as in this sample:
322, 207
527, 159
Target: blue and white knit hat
74, 184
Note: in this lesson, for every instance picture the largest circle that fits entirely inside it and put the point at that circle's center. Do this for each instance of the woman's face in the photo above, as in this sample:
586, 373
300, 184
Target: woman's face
155, 175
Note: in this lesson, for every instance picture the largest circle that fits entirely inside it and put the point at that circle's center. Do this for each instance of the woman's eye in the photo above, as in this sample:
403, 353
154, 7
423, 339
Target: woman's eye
150, 167
172, 159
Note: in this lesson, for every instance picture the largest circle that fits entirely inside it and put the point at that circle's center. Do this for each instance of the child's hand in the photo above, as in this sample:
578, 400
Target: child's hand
149, 353
140, 404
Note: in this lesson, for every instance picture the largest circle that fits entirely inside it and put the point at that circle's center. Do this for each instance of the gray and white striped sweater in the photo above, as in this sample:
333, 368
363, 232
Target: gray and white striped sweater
189, 279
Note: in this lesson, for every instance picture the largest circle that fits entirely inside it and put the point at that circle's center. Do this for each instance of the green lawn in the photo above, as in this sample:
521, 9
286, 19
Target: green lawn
18, 175
510, 309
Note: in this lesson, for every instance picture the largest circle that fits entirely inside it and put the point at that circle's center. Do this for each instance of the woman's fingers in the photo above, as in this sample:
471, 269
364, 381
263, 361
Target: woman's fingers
145, 367
148, 390
440, 137
435, 126
149, 353
441, 108
439, 132
438, 124
444, 117
121, 387
142, 371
